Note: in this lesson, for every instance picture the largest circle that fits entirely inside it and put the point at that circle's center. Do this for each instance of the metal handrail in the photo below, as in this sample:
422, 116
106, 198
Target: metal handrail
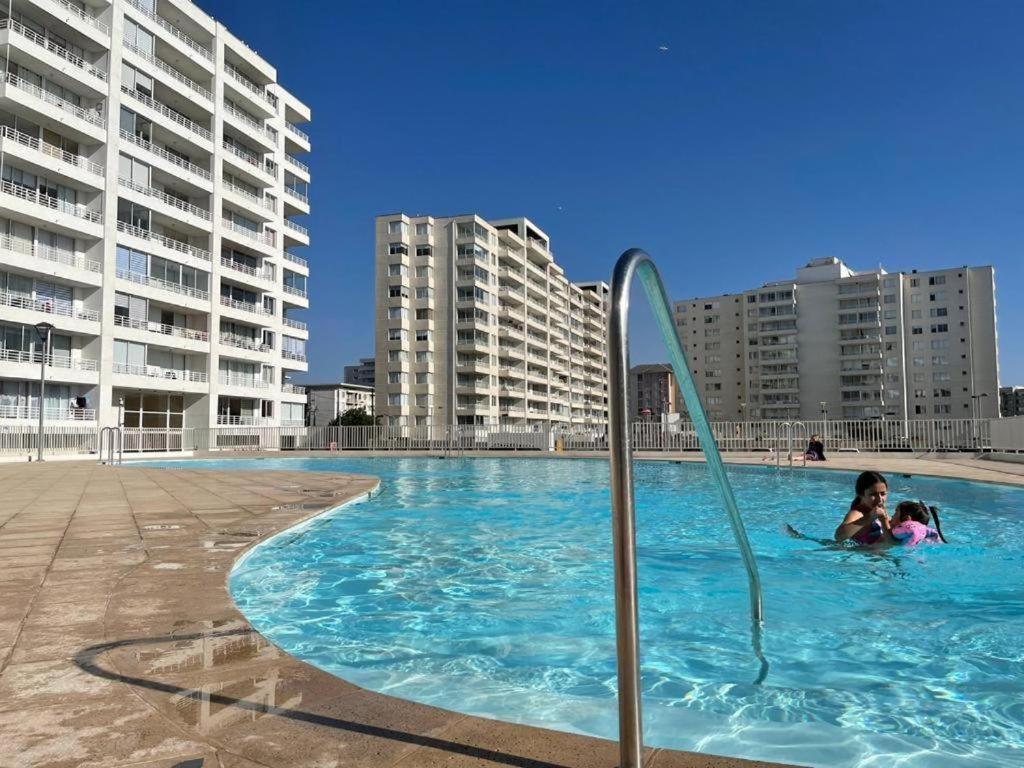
114, 433
632, 263
789, 428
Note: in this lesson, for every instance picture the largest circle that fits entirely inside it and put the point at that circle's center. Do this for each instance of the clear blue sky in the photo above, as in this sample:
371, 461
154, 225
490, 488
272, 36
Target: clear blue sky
767, 134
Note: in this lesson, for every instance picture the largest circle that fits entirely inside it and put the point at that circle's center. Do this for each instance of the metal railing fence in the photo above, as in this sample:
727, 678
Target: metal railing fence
919, 437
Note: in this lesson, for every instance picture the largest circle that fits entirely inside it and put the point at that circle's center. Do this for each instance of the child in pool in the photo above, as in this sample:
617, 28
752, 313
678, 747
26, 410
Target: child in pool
910, 523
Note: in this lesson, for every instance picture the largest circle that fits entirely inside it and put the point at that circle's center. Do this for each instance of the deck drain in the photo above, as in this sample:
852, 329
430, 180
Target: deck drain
161, 527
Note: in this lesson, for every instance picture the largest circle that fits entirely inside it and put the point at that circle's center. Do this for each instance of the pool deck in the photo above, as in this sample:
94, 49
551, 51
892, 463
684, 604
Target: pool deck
120, 646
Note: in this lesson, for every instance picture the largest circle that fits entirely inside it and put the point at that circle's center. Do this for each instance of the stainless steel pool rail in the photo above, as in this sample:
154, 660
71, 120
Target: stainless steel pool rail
632, 263
789, 428
114, 441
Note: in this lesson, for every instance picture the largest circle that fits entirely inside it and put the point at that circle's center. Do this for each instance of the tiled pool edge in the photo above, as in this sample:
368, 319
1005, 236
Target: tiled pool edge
128, 649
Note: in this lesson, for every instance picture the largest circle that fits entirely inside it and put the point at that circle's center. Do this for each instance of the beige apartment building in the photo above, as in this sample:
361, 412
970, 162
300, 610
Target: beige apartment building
849, 345
653, 391
477, 324
151, 186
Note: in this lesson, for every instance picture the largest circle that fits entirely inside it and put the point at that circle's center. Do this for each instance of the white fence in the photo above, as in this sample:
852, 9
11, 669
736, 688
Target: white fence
911, 436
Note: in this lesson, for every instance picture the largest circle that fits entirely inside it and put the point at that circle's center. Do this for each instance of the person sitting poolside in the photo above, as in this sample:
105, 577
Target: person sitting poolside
815, 449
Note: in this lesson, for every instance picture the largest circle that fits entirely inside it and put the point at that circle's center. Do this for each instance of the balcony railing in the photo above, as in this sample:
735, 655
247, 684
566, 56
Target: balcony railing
88, 18
245, 306
293, 389
248, 84
170, 114
250, 157
297, 195
52, 361
289, 160
289, 224
49, 253
266, 238
31, 412
167, 242
51, 150
50, 306
90, 116
176, 33
292, 290
297, 132
243, 421
163, 197
244, 342
296, 324
170, 71
252, 124
165, 155
250, 381
262, 274
290, 354
156, 282
161, 328
159, 372
53, 203
53, 47
296, 259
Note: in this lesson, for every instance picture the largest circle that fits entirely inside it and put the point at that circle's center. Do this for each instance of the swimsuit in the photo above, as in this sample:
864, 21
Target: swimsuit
871, 535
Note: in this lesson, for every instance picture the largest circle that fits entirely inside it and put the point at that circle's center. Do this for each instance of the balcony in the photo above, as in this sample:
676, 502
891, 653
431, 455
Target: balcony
57, 50
237, 266
162, 328
190, 85
52, 361
51, 151
244, 380
158, 372
291, 290
296, 259
168, 242
80, 15
170, 200
298, 325
31, 413
289, 354
91, 119
245, 306
292, 389
254, 92
191, 129
54, 204
49, 306
297, 196
252, 127
266, 238
251, 163
173, 31
243, 421
244, 342
163, 154
11, 245
291, 227
156, 282
298, 165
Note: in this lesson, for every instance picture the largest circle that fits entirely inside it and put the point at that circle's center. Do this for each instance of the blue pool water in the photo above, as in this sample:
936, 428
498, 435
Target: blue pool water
484, 586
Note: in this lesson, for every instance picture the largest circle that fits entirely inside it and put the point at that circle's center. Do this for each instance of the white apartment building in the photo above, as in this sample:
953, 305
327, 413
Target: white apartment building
849, 345
151, 175
477, 324
328, 401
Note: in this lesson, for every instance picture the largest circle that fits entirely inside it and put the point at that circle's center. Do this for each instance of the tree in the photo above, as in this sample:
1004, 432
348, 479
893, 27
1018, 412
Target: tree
353, 417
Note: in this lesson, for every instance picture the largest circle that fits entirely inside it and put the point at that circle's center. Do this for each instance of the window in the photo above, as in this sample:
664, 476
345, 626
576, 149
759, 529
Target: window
889, 282
918, 378
421, 377
889, 298
396, 334
939, 360
424, 271
939, 328
396, 377
424, 250
137, 81
941, 408
941, 392
915, 298
424, 293
940, 343
917, 330
890, 314
398, 356
423, 335
920, 393
937, 280
917, 346
918, 362
422, 228
398, 292
137, 37
398, 249
398, 313
398, 228
890, 330
940, 376
937, 296
938, 312
397, 270
423, 357
398, 399
915, 314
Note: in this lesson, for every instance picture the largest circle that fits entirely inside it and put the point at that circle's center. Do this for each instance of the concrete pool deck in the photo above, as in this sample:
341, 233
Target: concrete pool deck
120, 646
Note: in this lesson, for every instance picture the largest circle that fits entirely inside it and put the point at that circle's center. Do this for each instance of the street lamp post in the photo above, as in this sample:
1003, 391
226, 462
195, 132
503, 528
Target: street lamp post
824, 419
43, 329
976, 415
120, 412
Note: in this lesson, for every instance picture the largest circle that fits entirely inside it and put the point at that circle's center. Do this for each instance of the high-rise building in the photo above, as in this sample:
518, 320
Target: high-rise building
848, 345
477, 324
1011, 401
653, 391
363, 373
328, 401
150, 178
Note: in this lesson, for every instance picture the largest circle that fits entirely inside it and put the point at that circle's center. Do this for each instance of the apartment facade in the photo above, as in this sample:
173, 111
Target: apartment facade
328, 401
477, 324
1011, 401
151, 177
844, 344
363, 373
652, 391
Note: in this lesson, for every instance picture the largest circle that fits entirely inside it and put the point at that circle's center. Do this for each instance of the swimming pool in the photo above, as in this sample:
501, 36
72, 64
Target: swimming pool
484, 586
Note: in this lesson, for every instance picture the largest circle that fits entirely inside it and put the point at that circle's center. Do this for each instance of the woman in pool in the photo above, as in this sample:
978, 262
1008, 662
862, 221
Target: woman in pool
867, 522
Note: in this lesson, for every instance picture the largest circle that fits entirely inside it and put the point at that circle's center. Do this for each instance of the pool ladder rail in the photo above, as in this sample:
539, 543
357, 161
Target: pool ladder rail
111, 437
788, 428
636, 263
